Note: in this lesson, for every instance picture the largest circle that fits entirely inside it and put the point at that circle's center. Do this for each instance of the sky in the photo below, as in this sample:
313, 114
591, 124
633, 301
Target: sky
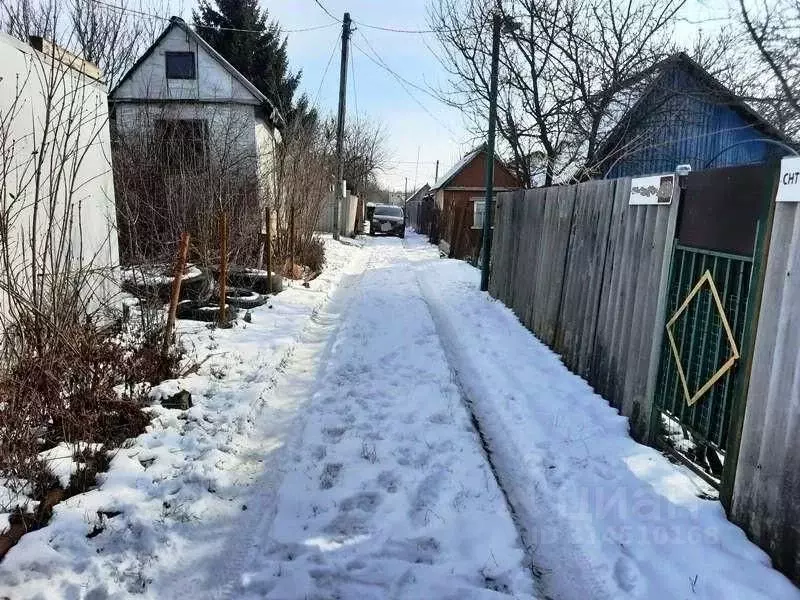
420, 129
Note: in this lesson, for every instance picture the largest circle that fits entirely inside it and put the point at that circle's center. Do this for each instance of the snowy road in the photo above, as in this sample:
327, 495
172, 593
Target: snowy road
388, 493
388, 432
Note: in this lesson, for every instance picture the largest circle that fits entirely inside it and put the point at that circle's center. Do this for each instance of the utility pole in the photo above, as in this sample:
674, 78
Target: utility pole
405, 190
436, 176
339, 192
486, 249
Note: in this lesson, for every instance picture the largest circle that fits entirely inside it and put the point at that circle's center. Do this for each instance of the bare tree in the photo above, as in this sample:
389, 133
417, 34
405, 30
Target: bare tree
568, 69
61, 361
110, 35
772, 29
365, 152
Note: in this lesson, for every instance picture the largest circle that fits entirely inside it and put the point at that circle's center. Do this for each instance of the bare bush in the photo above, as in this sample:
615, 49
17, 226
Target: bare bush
179, 175
68, 373
567, 71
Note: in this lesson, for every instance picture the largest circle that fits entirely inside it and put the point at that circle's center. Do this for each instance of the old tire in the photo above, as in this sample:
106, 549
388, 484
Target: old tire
243, 298
196, 311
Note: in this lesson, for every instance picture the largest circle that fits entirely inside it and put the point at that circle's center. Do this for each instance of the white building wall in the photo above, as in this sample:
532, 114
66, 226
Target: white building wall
76, 189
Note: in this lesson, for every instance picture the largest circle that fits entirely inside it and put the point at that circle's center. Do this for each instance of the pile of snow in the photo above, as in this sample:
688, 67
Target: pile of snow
156, 274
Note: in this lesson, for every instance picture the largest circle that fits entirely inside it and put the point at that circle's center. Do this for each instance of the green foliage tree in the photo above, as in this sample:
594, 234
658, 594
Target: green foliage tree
242, 32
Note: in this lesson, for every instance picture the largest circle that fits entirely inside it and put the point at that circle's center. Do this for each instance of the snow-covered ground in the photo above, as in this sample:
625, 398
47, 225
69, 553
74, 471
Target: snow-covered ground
337, 449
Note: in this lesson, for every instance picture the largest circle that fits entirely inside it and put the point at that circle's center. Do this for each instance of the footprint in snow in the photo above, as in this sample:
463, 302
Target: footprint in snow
422, 550
426, 497
333, 434
330, 475
364, 501
389, 481
626, 574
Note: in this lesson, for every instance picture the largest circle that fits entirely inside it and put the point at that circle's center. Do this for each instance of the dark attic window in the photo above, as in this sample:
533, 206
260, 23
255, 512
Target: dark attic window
180, 65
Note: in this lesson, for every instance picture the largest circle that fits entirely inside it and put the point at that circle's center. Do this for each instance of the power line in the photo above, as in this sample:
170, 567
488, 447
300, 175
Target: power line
327, 12
325, 72
382, 64
132, 11
389, 28
401, 30
402, 81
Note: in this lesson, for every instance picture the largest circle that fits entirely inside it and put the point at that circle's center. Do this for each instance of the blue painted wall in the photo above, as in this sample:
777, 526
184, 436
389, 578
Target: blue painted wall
682, 122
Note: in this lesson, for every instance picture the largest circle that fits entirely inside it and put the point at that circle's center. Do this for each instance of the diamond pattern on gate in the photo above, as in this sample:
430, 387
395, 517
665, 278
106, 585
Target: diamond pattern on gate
705, 280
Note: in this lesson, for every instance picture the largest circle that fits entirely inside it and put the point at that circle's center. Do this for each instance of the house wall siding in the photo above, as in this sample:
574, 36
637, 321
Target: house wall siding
231, 128
213, 82
458, 238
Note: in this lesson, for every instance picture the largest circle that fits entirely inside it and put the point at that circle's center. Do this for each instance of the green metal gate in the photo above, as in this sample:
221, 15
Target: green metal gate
708, 311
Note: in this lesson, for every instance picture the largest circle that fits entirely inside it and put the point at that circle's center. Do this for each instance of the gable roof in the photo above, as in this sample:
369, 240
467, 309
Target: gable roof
191, 33
723, 95
419, 193
451, 174
457, 168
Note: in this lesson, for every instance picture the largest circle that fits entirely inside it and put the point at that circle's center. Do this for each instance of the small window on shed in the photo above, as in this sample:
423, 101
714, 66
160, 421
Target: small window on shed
180, 65
478, 207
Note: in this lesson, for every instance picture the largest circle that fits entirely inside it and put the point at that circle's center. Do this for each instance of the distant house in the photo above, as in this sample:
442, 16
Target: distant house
186, 91
458, 198
686, 116
413, 208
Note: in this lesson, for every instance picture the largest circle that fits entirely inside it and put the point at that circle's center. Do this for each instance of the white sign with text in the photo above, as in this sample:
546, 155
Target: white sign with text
789, 183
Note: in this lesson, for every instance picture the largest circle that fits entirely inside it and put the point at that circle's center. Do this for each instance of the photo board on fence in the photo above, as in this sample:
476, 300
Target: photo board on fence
653, 189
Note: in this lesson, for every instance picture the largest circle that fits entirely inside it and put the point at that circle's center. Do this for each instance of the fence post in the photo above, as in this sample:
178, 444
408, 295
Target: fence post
177, 278
291, 241
223, 269
269, 252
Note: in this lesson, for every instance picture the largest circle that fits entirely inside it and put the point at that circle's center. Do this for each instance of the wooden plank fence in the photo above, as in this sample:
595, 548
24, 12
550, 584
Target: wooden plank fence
588, 274
582, 269
767, 485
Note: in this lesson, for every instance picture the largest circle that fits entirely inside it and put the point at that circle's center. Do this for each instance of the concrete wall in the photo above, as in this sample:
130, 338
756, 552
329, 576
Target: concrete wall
348, 209
766, 495
71, 159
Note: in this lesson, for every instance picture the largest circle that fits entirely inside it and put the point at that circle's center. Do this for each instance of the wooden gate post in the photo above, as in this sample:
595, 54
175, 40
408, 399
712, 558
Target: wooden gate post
223, 269
177, 278
291, 241
269, 252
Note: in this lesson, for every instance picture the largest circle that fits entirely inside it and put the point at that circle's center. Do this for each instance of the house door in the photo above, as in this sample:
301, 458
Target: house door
710, 308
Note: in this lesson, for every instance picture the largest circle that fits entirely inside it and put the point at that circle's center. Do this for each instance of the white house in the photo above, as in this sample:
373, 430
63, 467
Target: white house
183, 85
56, 183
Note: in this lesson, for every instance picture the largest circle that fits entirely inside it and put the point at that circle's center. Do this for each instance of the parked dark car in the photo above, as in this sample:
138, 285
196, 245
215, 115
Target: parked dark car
388, 219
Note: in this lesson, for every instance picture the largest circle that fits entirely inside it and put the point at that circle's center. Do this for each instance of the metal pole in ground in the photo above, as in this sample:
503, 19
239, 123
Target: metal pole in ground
338, 191
486, 249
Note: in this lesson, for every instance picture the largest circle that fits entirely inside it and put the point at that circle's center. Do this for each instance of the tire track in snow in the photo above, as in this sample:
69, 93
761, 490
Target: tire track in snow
509, 478
522, 532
